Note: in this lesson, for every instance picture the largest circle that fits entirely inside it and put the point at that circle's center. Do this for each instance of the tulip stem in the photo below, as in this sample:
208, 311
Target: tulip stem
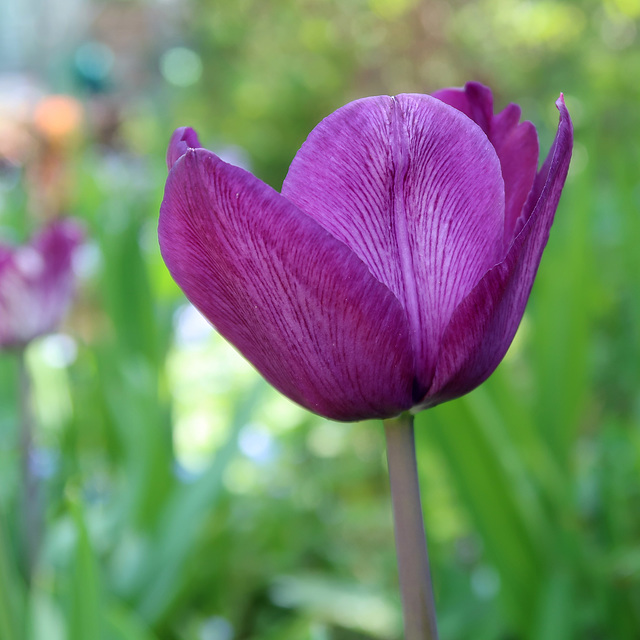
30, 515
413, 561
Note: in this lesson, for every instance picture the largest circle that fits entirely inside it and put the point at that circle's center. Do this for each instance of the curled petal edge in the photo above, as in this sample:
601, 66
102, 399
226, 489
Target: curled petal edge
182, 139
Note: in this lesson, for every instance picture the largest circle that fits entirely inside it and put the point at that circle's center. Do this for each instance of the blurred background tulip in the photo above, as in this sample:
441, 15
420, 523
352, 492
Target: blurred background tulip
180, 499
37, 283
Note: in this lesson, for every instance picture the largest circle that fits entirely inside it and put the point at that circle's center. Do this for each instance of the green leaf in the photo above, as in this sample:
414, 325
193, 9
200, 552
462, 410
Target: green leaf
122, 624
85, 605
184, 515
12, 596
555, 617
473, 453
339, 603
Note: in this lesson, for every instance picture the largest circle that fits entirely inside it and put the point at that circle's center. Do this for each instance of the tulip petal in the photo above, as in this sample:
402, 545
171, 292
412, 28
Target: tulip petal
475, 101
414, 188
485, 323
301, 307
517, 147
515, 142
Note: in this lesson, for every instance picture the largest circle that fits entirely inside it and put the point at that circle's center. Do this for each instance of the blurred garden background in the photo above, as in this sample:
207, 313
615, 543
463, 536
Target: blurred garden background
176, 496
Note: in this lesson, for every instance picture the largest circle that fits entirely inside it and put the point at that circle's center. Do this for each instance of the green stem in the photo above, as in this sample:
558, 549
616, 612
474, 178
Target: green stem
30, 515
413, 562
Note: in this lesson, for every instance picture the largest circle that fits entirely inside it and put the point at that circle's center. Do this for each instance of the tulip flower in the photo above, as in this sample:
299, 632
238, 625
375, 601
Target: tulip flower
36, 283
392, 271
390, 274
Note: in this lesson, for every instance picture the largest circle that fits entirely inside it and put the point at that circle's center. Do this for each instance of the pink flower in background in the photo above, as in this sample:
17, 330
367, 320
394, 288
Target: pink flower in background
37, 283
393, 270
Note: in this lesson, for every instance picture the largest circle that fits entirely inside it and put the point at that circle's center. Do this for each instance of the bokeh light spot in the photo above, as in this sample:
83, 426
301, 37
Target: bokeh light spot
327, 440
58, 117
191, 326
390, 9
256, 442
181, 67
94, 61
485, 582
58, 350
216, 628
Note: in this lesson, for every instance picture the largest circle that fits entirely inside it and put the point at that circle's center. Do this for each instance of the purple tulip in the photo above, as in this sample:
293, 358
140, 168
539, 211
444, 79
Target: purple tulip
393, 270
36, 283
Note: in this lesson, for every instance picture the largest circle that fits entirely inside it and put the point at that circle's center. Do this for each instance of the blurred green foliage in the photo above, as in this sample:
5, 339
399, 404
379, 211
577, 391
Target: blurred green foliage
182, 499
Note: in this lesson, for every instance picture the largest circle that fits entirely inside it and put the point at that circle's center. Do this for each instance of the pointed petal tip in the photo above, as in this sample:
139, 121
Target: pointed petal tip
565, 126
474, 85
183, 139
561, 105
564, 111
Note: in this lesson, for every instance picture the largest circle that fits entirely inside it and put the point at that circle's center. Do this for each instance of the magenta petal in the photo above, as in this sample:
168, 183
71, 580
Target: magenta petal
414, 188
37, 282
515, 142
517, 147
484, 325
183, 138
475, 101
294, 300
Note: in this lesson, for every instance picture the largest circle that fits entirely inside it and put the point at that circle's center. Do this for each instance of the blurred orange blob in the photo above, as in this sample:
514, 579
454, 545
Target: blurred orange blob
58, 117
14, 141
